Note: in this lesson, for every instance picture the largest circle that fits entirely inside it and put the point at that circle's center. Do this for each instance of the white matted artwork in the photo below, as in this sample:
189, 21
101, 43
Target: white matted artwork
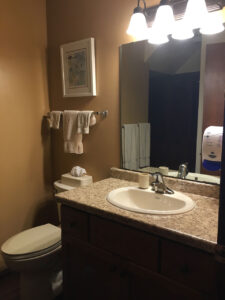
78, 68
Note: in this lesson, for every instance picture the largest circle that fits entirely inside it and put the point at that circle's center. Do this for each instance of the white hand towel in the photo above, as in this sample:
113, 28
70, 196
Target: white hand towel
55, 117
145, 136
83, 121
72, 140
130, 146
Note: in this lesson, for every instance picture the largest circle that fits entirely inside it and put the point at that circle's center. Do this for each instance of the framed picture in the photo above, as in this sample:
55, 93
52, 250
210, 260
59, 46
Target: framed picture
78, 68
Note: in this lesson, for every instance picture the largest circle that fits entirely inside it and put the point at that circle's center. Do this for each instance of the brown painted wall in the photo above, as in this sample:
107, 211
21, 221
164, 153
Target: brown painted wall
24, 154
106, 21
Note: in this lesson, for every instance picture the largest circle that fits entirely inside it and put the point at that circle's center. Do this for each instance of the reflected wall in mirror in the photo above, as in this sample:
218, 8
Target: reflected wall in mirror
169, 95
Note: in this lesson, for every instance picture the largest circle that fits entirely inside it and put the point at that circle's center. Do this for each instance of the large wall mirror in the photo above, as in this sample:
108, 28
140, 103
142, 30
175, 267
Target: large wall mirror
169, 95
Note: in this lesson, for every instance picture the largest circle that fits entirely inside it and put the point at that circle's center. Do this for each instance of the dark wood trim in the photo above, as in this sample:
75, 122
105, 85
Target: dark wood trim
221, 221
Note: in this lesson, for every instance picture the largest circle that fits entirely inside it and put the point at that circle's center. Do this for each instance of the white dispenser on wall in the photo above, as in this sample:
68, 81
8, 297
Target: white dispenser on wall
212, 148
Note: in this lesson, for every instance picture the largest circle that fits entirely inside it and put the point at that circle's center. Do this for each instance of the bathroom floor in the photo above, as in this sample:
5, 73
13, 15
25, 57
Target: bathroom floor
9, 286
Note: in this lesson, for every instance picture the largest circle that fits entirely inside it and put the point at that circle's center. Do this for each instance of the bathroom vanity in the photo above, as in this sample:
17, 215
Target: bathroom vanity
110, 253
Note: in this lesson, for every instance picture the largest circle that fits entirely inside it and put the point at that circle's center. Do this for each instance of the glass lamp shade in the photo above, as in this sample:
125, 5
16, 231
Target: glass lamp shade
162, 26
196, 14
182, 31
213, 24
138, 26
164, 20
157, 38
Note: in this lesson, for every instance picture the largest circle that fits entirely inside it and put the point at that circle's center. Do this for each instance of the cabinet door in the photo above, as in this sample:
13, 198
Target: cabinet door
146, 285
91, 274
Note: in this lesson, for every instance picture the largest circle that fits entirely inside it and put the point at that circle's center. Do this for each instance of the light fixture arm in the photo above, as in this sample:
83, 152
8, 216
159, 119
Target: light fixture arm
140, 9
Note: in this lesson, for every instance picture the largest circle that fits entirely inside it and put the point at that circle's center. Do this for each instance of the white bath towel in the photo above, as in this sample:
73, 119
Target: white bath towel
85, 119
130, 146
144, 144
72, 139
54, 120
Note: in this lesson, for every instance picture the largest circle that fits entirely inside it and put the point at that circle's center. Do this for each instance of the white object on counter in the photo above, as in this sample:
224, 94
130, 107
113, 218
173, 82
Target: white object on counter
70, 180
164, 170
78, 171
143, 180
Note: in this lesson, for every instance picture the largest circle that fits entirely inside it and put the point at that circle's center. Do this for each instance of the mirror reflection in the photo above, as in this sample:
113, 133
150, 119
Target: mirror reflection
169, 95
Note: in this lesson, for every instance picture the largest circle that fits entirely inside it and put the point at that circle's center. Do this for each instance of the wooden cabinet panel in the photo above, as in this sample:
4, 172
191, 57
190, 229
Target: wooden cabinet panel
75, 223
146, 285
137, 246
106, 260
91, 274
192, 267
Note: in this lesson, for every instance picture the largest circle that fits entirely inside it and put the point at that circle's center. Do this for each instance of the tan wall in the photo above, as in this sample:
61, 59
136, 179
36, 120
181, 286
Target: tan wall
24, 154
106, 21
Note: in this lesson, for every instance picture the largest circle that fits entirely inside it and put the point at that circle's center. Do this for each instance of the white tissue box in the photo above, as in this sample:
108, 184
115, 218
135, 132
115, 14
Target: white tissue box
76, 181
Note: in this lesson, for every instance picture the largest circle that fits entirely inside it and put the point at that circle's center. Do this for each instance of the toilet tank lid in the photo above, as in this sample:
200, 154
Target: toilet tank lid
32, 240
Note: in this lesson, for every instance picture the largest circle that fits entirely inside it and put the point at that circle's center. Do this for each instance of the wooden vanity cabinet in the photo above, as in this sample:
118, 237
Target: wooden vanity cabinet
106, 260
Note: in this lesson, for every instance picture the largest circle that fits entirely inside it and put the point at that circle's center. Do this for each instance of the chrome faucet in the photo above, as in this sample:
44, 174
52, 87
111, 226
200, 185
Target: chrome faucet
159, 186
183, 171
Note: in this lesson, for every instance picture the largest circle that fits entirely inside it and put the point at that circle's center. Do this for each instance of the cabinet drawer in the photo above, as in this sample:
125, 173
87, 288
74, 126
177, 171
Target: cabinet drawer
75, 223
190, 266
134, 245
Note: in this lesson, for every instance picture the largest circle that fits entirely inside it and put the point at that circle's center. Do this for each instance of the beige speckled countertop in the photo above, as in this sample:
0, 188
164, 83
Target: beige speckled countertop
197, 228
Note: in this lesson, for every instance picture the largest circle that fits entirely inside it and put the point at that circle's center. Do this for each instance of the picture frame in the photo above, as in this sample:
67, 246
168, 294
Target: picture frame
78, 68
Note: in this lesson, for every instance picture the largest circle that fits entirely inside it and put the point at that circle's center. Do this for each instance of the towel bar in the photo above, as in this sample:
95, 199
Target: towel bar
103, 114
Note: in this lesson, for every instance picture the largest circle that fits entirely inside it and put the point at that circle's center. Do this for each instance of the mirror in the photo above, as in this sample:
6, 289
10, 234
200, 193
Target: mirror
169, 95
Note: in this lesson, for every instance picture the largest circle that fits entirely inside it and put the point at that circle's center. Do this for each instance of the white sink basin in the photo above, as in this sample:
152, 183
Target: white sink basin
149, 202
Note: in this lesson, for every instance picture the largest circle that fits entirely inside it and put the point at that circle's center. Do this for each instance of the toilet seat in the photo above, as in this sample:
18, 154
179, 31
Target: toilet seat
33, 242
34, 255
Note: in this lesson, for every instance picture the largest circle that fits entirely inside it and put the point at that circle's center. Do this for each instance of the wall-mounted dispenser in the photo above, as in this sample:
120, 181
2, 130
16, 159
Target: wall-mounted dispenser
212, 148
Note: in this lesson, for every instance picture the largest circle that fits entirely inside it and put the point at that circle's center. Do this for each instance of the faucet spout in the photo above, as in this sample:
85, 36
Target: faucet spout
183, 171
159, 186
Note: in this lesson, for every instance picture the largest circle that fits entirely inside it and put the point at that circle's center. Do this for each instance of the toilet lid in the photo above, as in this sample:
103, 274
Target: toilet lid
32, 240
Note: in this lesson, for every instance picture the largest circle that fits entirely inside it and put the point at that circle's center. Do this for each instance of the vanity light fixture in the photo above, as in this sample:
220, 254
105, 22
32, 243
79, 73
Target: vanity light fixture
138, 24
197, 16
189, 15
163, 24
213, 23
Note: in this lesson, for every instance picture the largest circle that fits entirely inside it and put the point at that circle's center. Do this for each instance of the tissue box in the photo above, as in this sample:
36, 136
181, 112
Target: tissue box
76, 181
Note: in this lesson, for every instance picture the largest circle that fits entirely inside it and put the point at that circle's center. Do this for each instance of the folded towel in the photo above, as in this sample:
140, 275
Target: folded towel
72, 139
55, 117
144, 144
130, 146
83, 121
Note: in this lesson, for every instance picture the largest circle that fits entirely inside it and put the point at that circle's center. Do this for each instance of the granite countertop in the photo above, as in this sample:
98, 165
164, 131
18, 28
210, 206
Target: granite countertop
197, 228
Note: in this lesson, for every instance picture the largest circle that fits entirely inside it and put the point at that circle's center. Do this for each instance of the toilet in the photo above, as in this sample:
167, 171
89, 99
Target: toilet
36, 254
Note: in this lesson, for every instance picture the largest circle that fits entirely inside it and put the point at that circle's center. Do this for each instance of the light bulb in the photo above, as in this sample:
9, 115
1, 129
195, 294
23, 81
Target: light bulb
164, 20
138, 26
196, 14
182, 31
213, 24
162, 26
